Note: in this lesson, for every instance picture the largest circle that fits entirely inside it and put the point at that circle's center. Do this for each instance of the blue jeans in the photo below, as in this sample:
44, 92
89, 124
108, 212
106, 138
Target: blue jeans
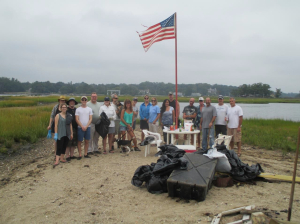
204, 137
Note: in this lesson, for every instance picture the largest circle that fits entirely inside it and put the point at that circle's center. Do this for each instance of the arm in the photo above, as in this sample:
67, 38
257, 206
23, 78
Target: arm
141, 113
240, 123
157, 117
78, 121
184, 116
56, 123
212, 121
122, 117
114, 117
71, 127
52, 118
88, 124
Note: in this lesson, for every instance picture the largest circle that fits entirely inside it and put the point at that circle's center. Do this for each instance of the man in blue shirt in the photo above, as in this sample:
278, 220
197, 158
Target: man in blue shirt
144, 115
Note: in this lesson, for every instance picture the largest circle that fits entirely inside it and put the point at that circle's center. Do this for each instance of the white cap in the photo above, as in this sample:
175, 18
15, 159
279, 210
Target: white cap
201, 98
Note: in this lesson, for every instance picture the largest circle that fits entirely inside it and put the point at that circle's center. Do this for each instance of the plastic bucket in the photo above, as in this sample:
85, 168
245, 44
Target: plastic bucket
188, 126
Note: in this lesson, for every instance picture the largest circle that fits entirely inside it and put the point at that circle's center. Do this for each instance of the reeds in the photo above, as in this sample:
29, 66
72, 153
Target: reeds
270, 134
23, 124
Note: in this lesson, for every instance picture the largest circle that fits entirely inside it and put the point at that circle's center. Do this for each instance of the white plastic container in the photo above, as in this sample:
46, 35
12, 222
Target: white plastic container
188, 126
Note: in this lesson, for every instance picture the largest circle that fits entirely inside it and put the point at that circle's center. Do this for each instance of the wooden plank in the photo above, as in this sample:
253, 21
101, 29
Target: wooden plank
278, 177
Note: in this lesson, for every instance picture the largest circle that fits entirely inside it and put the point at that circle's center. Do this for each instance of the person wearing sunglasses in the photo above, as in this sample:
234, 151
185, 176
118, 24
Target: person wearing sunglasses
83, 117
154, 114
63, 132
144, 115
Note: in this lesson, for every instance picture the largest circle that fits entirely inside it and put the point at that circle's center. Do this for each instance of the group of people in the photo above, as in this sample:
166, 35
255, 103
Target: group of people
71, 125
214, 120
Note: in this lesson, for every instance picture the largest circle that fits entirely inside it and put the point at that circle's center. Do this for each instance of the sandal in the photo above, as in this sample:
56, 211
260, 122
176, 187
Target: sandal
239, 154
63, 161
104, 152
111, 151
55, 164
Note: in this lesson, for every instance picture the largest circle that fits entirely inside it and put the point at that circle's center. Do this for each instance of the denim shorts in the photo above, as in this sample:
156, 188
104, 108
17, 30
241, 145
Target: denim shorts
84, 134
123, 128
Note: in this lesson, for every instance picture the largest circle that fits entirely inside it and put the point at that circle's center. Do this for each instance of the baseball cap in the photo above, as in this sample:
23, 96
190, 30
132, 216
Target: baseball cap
135, 99
83, 97
221, 97
170, 93
201, 98
106, 99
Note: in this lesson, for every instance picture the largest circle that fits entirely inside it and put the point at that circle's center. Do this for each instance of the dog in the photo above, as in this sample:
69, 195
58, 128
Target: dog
124, 144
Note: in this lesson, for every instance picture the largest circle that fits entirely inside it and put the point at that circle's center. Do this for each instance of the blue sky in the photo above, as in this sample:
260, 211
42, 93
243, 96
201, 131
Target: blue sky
219, 42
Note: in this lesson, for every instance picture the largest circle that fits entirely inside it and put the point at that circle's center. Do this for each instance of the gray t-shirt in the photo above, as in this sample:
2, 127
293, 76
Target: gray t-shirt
207, 114
95, 108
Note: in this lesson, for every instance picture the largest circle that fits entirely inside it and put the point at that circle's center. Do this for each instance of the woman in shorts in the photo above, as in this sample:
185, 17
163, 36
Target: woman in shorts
109, 110
127, 119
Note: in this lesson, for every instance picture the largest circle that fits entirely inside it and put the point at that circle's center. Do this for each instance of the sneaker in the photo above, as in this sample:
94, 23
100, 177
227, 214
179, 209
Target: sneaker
87, 156
136, 149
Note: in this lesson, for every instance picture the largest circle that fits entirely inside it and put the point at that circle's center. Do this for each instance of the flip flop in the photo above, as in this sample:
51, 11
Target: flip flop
63, 161
239, 154
79, 157
54, 165
111, 151
104, 152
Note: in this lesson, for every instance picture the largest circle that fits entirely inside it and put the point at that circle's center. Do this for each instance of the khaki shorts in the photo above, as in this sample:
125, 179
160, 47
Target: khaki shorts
236, 136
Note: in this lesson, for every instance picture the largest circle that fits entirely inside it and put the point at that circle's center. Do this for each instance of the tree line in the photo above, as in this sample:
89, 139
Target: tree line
154, 88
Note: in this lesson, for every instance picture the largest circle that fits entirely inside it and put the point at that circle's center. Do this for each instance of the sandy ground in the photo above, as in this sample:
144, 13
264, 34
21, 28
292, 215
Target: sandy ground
99, 190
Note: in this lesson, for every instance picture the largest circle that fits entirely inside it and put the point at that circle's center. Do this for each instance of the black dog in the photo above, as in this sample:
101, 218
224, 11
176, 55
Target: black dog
125, 144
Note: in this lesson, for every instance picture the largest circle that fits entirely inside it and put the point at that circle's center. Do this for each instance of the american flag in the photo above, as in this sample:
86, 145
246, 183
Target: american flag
161, 31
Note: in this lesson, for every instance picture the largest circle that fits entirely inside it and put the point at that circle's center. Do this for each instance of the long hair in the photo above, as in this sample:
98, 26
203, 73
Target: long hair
163, 107
130, 107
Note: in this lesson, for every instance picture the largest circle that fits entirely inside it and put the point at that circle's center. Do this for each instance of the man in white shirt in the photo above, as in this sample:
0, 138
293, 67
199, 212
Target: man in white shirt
220, 122
83, 116
234, 126
95, 106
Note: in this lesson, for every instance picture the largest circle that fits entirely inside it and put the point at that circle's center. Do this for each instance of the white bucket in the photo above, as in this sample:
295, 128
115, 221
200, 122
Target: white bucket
188, 126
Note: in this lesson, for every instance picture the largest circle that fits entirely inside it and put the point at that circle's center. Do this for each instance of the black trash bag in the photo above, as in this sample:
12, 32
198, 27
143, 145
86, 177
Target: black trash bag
239, 170
165, 166
147, 140
171, 151
142, 173
157, 184
103, 126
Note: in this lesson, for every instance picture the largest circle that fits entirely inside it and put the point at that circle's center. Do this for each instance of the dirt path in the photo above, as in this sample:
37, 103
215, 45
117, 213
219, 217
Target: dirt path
98, 190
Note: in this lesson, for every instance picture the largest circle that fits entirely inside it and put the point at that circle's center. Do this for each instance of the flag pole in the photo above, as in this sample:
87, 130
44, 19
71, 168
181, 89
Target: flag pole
176, 117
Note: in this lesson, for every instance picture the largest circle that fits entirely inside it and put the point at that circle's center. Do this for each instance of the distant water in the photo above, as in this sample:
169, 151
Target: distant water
285, 111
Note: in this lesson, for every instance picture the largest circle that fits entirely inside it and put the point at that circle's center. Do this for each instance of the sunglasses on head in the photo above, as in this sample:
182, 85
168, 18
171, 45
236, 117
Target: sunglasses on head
146, 98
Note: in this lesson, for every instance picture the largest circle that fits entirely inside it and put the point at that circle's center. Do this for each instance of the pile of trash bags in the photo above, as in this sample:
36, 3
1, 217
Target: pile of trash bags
239, 170
155, 175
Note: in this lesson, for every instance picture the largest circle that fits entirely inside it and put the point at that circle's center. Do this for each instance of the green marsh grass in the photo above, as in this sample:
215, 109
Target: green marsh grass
23, 124
270, 134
